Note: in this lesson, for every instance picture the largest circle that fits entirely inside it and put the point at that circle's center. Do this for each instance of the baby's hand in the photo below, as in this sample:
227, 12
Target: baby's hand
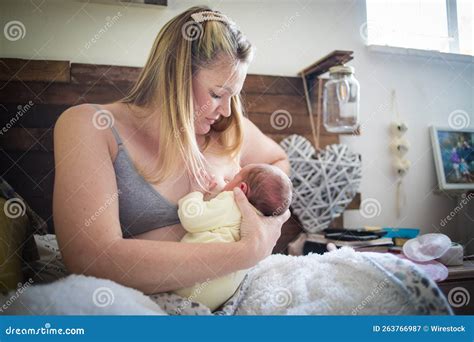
211, 182
211, 185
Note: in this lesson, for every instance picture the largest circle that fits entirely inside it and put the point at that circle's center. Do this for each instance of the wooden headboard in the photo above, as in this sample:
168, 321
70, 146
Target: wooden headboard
34, 93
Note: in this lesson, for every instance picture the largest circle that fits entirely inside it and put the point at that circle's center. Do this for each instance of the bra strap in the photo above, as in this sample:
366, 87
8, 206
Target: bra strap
114, 130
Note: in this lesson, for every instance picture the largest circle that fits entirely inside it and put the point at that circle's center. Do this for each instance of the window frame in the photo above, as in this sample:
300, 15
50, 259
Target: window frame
453, 29
454, 53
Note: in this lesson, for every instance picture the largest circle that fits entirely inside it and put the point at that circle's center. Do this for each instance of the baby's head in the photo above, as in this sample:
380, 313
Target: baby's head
267, 188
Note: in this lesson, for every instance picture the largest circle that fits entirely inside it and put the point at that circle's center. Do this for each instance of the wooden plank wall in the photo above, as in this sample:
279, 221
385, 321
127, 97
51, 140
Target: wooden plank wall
34, 93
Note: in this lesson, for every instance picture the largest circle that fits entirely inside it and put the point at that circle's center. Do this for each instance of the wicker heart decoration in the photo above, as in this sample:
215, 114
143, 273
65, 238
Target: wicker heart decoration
324, 183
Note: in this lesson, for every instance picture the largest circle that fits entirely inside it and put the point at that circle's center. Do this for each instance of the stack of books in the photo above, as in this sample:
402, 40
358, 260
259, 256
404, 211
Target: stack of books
361, 239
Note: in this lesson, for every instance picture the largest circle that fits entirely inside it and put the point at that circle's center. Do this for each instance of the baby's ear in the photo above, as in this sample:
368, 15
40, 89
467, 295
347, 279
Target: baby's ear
244, 187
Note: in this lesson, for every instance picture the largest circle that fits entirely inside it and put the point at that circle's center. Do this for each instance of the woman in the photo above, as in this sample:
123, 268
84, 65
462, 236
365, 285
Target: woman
180, 128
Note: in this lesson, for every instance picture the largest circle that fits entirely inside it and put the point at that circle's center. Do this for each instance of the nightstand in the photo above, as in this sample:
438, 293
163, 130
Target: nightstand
459, 288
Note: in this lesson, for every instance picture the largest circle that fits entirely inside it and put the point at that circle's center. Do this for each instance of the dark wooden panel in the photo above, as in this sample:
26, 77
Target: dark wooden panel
276, 85
110, 74
14, 69
466, 284
31, 174
73, 94
355, 204
322, 65
268, 103
39, 163
91, 74
289, 232
281, 123
60, 94
325, 139
38, 116
31, 185
27, 139
156, 2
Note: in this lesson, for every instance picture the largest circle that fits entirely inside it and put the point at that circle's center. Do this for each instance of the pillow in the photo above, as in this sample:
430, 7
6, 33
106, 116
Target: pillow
50, 266
35, 225
13, 232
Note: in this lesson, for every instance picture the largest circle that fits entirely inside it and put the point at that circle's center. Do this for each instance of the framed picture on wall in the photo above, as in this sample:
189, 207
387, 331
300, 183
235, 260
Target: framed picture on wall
454, 157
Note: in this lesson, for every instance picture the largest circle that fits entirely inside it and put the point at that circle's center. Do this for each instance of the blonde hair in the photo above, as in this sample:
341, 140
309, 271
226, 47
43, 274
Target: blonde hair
165, 83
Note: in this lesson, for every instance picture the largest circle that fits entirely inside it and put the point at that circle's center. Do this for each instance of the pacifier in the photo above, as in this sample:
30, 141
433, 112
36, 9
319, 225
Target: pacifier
426, 247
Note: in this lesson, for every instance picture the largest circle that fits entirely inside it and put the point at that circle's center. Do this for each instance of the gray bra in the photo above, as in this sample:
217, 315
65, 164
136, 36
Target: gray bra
141, 207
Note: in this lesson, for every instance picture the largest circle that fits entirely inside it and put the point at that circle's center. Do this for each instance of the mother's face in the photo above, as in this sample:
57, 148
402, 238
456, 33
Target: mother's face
213, 89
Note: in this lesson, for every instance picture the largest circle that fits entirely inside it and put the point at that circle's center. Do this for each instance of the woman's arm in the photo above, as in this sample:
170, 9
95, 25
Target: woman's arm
258, 148
84, 183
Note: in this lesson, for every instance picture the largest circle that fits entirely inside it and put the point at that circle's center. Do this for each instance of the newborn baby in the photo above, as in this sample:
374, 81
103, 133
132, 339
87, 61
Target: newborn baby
267, 188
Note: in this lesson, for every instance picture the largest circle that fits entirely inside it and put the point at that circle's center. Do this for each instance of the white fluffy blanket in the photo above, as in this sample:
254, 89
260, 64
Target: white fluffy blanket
339, 282
343, 282
79, 295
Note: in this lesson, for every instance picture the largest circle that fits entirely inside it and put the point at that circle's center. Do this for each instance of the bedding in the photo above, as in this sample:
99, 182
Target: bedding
342, 282
18, 223
12, 236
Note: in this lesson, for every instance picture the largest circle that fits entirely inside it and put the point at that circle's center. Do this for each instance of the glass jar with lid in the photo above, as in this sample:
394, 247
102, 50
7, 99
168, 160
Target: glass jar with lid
341, 100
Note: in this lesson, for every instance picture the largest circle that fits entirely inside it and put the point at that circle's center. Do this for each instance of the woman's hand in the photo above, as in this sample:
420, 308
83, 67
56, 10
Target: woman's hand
258, 234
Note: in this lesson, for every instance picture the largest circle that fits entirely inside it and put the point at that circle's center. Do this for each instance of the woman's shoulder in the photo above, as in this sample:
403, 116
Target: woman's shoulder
84, 123
79, 115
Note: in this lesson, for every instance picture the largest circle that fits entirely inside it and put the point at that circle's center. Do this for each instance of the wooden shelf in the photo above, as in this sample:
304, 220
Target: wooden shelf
322, 65
459, 288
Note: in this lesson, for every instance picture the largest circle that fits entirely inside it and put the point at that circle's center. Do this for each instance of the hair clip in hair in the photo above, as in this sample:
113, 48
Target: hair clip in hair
210, 15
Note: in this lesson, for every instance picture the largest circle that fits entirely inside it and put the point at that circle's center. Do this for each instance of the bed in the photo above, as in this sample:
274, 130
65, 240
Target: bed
342, 282
35, 93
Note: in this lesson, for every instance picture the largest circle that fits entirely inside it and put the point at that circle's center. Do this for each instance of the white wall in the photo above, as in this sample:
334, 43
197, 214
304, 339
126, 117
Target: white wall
289, 36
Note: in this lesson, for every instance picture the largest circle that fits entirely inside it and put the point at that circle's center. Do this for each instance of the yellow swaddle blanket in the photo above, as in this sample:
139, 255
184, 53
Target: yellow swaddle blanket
216, 220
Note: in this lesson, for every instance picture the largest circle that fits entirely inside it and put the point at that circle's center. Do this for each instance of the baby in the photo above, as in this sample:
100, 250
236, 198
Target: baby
267, 188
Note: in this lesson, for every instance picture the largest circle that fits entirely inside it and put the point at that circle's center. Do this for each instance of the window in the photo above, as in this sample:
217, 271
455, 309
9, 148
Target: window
441, 25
